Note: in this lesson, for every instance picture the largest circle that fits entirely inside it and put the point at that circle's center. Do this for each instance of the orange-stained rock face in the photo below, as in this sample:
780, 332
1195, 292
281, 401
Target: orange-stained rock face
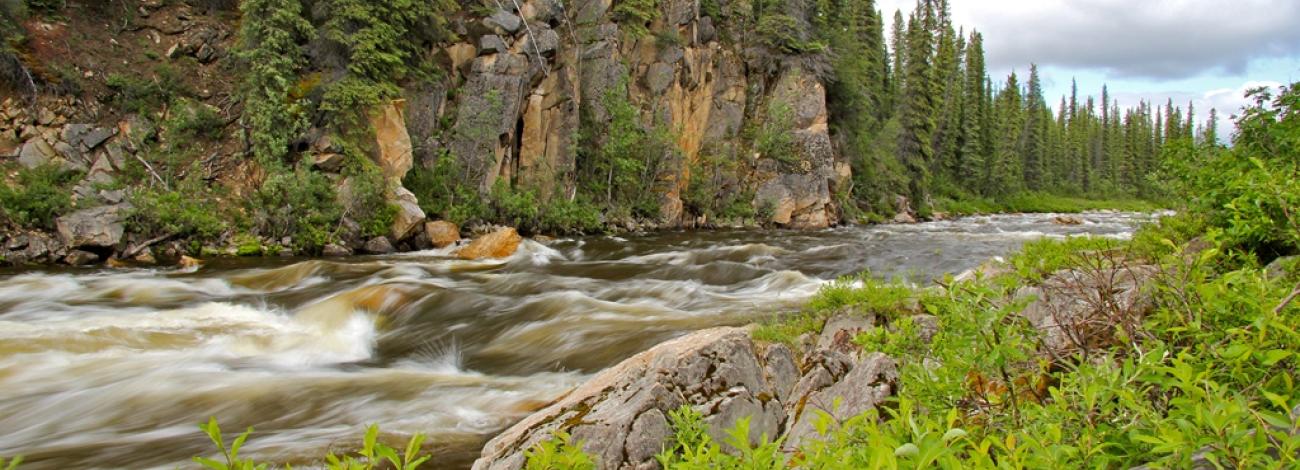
391, 139
499, 244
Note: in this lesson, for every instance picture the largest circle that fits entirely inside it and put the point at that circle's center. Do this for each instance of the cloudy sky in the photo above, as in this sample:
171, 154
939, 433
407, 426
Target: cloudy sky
1205, 51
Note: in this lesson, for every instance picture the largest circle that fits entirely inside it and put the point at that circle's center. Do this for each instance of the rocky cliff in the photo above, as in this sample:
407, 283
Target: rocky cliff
531, 75
530, 95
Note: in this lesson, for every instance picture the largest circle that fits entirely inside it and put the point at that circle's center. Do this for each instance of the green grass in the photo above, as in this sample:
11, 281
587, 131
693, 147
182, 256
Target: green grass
861, 295
1038, 202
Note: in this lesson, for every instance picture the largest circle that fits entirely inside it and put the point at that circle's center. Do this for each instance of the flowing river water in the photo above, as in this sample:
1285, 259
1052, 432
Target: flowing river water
115, 368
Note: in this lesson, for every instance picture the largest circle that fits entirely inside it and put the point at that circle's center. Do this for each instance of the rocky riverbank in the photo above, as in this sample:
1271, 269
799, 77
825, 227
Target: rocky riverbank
620, 416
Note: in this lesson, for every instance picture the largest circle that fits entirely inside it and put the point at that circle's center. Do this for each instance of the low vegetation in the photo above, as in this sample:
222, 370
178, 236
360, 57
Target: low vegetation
1204, 376
1040, 202
37, 195
373, 454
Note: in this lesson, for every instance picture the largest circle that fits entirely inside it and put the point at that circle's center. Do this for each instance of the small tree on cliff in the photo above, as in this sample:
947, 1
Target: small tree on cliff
269, 44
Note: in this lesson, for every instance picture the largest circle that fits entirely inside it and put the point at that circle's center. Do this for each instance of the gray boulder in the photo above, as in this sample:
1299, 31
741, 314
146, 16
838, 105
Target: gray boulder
1079, 310
840, 387
80, 258
503, 22
491, 44
839, 331
620, 415
378, 246
97, 227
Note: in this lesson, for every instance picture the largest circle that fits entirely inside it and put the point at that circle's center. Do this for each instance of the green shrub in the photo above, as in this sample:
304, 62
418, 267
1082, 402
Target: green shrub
668, 37
191, 120
444, 192
248, 245
373, 454
1248, 193
622, 171
189, 211
40, 195
269, 44
773, 136
863, 295
558, 453
144, 95
300, 204
694, 448
636, 15
782, 33
369, 206
712, 192
515, 207
564, 216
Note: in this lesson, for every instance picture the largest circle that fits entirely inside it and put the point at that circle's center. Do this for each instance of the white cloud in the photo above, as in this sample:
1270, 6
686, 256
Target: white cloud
1154, 39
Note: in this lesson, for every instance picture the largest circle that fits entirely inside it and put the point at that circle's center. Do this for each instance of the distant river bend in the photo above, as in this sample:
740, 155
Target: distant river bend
115, 368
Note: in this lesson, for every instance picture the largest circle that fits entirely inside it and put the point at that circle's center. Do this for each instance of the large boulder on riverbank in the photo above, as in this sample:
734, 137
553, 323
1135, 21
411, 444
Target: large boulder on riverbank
1079, 310
499, 244
621, 414
99, 227
442, 233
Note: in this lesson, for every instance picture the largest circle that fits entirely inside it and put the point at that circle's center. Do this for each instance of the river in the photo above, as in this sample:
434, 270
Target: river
115, 368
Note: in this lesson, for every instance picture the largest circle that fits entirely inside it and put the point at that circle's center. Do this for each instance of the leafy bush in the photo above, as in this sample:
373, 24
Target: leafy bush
444, 192
514, 207
712, 189
269, 38
864, 295
782, 33
773, 136
190, 120
143, 95
696, 449
369, 206
189, 211
565, 216
621, 171
40, 195
668, 37
1249, 192
299, 204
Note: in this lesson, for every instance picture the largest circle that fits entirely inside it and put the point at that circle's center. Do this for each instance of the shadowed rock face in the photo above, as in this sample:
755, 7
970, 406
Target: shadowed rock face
621, 414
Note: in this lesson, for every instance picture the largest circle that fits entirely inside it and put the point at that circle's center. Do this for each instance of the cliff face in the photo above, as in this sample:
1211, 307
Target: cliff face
531, 75
532, 94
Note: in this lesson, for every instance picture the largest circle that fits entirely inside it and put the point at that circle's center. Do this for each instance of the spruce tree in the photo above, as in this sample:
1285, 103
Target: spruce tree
975, 117
915, 143
1035, 132
269, 46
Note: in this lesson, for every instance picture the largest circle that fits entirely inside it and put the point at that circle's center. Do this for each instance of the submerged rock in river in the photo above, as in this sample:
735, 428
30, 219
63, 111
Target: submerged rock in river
621, 414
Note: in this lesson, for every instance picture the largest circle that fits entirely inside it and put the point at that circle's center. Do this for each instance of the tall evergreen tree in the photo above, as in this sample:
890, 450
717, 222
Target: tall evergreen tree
915, 147
1034, 148
975, 117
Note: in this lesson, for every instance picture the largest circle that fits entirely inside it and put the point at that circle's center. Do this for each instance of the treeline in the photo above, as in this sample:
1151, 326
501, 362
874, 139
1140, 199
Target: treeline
918, 115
